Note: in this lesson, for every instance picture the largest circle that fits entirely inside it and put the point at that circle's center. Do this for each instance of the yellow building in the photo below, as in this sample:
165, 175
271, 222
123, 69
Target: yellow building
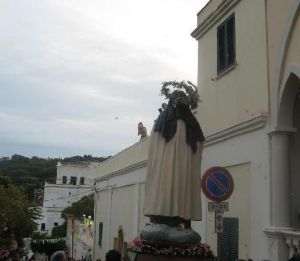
248, 78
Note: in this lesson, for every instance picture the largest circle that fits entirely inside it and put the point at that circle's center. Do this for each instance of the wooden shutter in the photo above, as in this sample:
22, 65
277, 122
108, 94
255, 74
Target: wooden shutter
228, 241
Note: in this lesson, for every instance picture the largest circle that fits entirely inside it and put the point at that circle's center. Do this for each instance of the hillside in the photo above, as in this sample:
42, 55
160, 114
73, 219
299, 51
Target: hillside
31, 173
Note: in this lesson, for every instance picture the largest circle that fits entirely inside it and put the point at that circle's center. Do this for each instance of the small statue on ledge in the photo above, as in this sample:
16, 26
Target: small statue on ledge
142, 131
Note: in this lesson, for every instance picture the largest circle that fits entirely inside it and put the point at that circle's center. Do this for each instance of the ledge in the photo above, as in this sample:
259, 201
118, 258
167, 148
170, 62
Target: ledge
252, 124
281, 129
227, 70
222, 9
282, 232
123, 171
67, 186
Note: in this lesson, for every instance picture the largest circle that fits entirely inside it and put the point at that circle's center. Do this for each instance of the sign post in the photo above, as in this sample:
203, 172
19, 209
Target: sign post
217, 185
219, 221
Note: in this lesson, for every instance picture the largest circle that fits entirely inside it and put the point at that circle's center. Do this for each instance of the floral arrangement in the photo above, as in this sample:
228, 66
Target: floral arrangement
4, 254
180, 92
144, 247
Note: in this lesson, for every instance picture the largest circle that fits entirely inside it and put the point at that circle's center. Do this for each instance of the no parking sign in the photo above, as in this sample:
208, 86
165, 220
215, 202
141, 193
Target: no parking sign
217, 184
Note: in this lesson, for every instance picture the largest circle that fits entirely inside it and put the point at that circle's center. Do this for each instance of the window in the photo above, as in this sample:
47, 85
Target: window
82, 181
43, 226
64, 180
55, 224
228, 241
73, 180
226, 44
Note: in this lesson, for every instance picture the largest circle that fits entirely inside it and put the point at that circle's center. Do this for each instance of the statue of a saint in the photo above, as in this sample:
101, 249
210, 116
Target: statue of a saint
173, 193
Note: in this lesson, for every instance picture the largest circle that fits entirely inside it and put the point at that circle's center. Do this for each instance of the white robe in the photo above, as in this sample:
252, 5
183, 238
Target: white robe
173, 178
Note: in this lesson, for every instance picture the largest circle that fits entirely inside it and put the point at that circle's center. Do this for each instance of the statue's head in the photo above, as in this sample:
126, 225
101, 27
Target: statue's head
180, 93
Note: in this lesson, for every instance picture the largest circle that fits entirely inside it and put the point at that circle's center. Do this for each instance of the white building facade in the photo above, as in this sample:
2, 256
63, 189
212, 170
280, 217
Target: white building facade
74, 180
119, 199
249, 84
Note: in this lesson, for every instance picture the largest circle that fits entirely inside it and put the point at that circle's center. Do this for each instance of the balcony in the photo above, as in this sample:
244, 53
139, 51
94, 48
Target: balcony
284, 243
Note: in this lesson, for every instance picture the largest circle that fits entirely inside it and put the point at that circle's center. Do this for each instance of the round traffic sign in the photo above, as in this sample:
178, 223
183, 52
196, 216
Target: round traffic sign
217, 184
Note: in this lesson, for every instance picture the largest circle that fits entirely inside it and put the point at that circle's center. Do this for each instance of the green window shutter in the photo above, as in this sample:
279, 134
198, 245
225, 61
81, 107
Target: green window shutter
100, 233
228, 241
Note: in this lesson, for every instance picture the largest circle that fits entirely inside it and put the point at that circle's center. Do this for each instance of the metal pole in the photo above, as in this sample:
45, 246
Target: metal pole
72, 236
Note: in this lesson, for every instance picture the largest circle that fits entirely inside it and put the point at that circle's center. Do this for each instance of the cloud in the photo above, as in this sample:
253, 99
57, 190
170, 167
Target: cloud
69, 68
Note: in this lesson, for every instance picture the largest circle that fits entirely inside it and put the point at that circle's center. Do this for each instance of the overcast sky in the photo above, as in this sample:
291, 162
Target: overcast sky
77, 76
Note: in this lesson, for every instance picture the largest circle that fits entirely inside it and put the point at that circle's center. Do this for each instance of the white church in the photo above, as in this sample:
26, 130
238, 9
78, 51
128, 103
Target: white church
73, 181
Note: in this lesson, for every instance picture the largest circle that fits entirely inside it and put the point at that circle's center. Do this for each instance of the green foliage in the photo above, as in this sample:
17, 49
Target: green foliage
48, 245
17, 215
39, 235
60, 231
83, 206
180, 92
31, 173
84, 158
4, 181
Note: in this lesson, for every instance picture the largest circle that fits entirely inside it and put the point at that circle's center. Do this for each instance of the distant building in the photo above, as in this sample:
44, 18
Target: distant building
74, 180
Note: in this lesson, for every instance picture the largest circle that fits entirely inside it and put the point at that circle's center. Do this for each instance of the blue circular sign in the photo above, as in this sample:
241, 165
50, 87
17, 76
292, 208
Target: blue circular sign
217, 184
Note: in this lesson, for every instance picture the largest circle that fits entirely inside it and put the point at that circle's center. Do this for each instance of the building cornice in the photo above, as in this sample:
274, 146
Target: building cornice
282, 232
68, 186
249, 125
123, 171
55, 209
209, 21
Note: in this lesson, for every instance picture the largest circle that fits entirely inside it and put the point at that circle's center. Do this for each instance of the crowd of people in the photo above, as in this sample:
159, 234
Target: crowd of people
111, 255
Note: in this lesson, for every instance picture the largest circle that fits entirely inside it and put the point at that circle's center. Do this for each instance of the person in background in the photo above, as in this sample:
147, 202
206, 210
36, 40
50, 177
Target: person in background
113, 255
88, 256
58, 256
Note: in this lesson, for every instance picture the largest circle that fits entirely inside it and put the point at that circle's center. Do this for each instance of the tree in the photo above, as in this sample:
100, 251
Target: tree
4, 181
17, 216
84, 206
32, 173
59, 231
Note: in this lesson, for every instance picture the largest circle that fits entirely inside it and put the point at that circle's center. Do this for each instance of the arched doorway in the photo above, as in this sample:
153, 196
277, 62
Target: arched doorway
285, 150
294, 159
